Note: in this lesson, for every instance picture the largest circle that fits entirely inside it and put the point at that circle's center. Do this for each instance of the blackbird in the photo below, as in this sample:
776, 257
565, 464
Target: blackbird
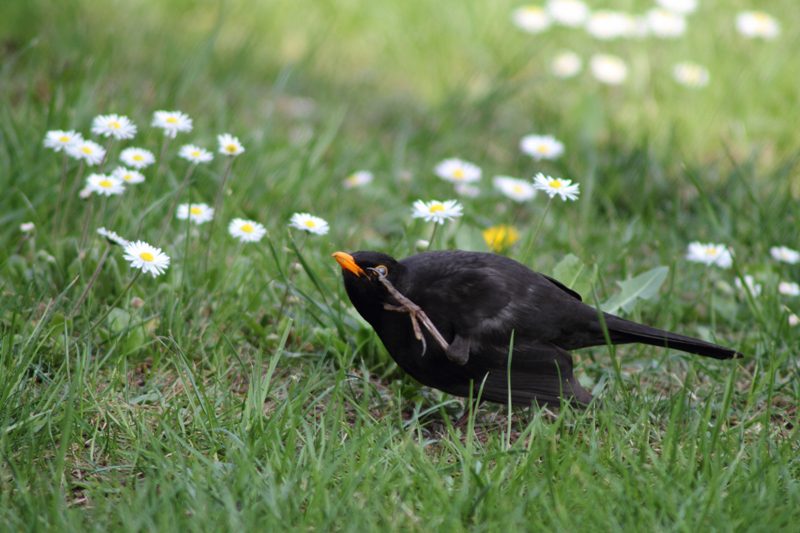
487, 306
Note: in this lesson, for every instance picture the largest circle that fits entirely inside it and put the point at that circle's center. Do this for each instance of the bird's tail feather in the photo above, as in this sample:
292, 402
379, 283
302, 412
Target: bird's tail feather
624, 331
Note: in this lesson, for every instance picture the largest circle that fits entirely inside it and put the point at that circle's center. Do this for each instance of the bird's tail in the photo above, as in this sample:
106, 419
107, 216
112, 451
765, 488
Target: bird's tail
624, 331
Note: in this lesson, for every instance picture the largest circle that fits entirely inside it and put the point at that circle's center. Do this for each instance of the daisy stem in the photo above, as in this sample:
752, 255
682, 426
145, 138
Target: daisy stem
289, 278
171, 212
105, 156
187, 238
115, 302
433, 235
217, 206
90, 284
86, 218
61, 188
72, 192
532, 238
161, 154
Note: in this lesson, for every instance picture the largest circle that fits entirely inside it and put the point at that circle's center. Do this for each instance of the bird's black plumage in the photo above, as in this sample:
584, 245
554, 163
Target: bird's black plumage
476, 301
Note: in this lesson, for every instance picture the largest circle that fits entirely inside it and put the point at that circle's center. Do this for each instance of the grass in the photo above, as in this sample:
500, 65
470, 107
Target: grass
249, 395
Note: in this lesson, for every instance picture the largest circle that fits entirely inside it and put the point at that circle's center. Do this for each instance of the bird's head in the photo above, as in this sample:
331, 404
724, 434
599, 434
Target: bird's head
362, 272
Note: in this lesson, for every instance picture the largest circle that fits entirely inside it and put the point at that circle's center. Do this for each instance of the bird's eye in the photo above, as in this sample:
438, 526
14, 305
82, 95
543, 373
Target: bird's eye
381, 270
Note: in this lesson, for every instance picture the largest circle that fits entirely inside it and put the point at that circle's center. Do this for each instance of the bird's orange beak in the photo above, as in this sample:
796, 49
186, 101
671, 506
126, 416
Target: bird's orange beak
348, 263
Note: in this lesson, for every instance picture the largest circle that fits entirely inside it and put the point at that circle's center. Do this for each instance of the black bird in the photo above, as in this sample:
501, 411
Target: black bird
477, 301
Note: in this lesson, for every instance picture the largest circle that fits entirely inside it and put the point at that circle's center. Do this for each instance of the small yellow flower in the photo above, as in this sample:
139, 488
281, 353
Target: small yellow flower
500, 238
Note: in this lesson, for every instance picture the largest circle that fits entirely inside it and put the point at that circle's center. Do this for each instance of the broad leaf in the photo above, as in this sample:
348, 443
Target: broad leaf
642, 287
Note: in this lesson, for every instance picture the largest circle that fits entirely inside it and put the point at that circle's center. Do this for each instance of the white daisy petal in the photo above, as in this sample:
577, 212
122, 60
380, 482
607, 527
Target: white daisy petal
682, 7
88, 151
515, 189
785, 255
229, 145
172, 122
608, 69
710, 254
789, 288
458, 171
116, 126
607, 25
147, 258
309, 223
566, 64
112, 236
246, 230
104, 185
436, 211
755, 24
690, 74
531, 19
137, 158
197, 213
358, 179
541, 146
195, 154
127, 175
564, 189
60, 140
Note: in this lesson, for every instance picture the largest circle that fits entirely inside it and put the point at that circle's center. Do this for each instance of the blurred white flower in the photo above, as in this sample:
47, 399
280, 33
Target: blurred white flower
785, 255
710, 254
754, 24
568, 12
358, 179
607, 25
127, 175
104, 185
609, 69
197, 213
667, 24
794, 320
138, 158
88, 151
458, 171
422, 244
566, 64
309, 223
112, 236
116, 126
27, 227
789, 288
467, 190
172, 122
690, 74
229, 145
148, 259
683, 7
541, 146
436, 211
195, 154
515, 189
531, 19
565, 189
750, 282
246, 230
60, 140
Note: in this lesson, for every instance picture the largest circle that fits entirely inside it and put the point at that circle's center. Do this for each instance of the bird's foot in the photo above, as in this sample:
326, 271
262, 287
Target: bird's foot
417, 315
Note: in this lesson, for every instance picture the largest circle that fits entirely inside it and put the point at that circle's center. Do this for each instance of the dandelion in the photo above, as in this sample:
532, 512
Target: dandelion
195, 154
789, 288
608, 69
690, 74
531, 19
666, 24
309, 223
608, 25
682, 7
571, 13
752, 287
147, 258
358, 179
564, 189
436, 211
515, 189
710, 254
229, 145
172, 122
541, 146
467, 190
566, 65
197, 213
115, 126
60, 140
88, 151
500, 238
113, 237
753, 24
104, 185
127, 175
458, 171
27, 227
246, 230
785, 255
137, 158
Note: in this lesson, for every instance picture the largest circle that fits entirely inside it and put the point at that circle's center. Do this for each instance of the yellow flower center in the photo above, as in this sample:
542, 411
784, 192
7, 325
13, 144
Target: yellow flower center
310, 224
231, 148
436, 207
458, 174
171, 120
711, 250
137, 157
195, 153
517, 188
533, 10
542, 149
555, 184
106, 184
247, 228
147, 256
86, 150
127, 177
64, 139
195, 210
114, 124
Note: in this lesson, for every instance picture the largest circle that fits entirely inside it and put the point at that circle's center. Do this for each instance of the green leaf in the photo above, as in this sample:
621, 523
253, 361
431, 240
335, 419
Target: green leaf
573, 273
642, 287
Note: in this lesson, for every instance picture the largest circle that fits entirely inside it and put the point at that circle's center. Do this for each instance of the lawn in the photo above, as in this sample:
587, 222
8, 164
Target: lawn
239, 389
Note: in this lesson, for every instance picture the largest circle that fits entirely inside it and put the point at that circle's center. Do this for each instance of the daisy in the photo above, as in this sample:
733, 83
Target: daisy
516, 189
112, 236
27, 227
195, 154
754, 24
127, 175
541, 146
229, 145
500, 238
750, 282
309, 223
682, 7
148, 259
436, 211
458, 171
607, 25
60, 140
710, 254
784, 254
137, 157
88, 151
531, 19
116, 126
467, 190
789, 288
794, 320
358, 179
667, 24
568, 12
609, 69
566, 65
246, 230
690, 74
197, 213
104, 185
172, 122
565, 189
